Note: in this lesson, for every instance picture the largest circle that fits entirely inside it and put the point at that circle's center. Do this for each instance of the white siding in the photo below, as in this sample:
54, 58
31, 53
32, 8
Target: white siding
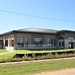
67, 42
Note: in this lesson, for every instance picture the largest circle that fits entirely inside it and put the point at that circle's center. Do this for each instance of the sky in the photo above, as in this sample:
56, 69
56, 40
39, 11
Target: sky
47, 14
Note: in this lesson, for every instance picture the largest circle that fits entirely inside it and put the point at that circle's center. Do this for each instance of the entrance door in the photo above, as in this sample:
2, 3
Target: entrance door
71, 44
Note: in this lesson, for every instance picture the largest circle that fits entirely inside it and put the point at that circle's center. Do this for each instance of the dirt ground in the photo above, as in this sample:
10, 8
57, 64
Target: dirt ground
59, 72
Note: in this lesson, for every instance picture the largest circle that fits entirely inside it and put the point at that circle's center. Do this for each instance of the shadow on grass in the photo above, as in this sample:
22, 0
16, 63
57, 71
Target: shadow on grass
44, 49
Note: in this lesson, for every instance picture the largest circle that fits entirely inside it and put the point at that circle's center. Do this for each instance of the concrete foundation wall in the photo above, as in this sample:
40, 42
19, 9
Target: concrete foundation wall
9, 48
34, 47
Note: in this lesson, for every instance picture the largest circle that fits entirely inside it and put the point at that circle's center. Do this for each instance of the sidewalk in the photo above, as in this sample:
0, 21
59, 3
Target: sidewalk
6, 52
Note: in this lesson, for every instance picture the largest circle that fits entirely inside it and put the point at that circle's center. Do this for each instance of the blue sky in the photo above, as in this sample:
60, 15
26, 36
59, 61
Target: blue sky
56, 9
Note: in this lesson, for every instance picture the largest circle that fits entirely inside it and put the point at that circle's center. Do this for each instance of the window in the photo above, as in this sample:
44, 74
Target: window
12, 39
0, 38
63, 44
26, 40
38, 42
54, 42
48, 41
59, 44
1, 43
70, 38
51, 41
6, 42
20, 42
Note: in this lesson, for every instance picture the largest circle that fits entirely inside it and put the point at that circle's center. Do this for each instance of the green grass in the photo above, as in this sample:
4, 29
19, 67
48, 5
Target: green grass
41, 51
7, 56
10, 55
2, 51
35, 67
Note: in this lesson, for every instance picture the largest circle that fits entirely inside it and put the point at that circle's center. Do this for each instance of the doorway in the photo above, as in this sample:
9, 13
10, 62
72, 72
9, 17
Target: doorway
71, 44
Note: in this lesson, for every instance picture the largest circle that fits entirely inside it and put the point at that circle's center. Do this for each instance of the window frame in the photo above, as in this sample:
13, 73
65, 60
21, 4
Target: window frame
20, 41
26, 42
12, 39
38, 41
6, 42
48, 41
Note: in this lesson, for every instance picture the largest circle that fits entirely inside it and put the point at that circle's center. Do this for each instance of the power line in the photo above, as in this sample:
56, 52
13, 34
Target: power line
36, 16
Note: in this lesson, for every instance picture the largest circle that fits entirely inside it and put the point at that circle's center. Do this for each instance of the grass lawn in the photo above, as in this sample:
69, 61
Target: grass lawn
10, 55
1, 51
35, 67
41, 51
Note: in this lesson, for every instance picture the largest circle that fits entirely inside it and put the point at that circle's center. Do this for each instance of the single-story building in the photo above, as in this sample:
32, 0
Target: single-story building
36, 38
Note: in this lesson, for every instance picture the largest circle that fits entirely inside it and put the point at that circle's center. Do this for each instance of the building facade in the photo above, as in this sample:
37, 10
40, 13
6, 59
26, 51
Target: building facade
35, 38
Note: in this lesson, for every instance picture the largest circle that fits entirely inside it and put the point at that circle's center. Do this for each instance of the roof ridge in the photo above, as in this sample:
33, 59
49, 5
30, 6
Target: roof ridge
37, 28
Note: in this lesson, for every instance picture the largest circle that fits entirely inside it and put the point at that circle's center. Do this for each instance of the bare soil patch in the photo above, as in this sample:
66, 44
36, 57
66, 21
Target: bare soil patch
58, 72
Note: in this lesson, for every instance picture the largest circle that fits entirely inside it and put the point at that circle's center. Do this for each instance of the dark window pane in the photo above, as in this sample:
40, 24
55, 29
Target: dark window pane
59, 44
63, 44
48, 41
54, 42
20, 42
12, 41
6, 42
51, 41
26, 40
38, 42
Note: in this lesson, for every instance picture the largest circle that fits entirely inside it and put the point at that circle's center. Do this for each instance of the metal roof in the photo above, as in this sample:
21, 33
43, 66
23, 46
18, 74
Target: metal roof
69, 31
38, 30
